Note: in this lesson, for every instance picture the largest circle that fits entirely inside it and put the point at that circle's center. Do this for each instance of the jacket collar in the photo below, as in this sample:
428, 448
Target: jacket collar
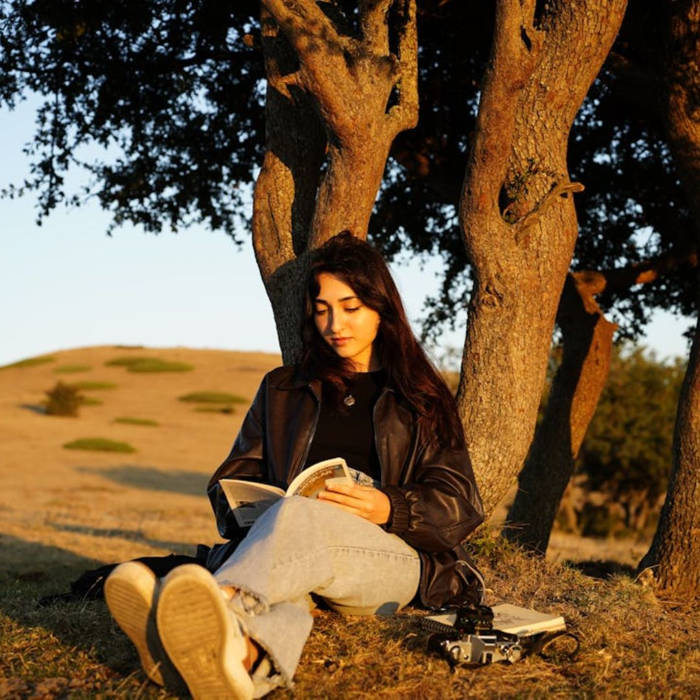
296, 380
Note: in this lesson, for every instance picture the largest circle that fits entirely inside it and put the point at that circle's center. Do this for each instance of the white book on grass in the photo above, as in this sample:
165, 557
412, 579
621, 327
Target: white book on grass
513, 620
525, 622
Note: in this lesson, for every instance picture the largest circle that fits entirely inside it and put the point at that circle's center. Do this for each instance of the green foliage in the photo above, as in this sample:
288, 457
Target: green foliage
195, 106
99, 444
128, 420
212, 397
90, 401
63, 400
149, 364
68, 369
626, 454
88, 385
30, 362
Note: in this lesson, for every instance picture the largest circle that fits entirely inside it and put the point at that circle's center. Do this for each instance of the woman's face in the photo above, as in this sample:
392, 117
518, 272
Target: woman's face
345, 323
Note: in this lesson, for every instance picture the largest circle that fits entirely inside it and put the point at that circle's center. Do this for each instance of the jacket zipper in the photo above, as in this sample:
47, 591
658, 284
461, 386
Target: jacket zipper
376, 443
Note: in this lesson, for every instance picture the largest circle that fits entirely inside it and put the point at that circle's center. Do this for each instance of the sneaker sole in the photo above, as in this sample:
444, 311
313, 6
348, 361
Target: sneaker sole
201, 635
129, 592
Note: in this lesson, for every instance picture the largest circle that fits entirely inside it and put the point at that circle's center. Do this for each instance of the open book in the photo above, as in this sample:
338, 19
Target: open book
249, 499
512, 619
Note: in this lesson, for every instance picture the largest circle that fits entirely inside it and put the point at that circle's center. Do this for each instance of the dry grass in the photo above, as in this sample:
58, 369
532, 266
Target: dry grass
70, 369
63, 511
632, 645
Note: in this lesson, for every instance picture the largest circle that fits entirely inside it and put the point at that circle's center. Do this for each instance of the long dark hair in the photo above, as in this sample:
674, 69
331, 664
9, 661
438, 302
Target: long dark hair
408, 369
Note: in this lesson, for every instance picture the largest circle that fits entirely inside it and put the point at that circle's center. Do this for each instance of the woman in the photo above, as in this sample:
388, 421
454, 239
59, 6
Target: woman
365, 391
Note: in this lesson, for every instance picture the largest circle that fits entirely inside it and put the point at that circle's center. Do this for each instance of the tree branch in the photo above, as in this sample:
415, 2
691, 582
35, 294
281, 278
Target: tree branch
303, 23
622, 278
404, 115
375, 26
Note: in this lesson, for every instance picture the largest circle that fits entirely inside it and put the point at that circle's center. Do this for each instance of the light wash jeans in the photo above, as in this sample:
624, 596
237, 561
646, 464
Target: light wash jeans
301, 546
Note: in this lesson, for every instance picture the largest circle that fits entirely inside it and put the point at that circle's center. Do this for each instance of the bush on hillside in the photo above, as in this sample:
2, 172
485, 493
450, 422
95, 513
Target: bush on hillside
63, 400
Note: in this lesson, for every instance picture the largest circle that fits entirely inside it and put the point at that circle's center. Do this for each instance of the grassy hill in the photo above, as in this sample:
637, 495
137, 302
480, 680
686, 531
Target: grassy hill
63, 511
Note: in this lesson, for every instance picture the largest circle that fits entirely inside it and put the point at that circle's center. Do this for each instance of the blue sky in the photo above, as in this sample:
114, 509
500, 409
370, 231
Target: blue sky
66, 284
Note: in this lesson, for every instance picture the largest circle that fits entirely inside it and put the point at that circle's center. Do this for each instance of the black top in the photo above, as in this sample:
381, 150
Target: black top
349, 432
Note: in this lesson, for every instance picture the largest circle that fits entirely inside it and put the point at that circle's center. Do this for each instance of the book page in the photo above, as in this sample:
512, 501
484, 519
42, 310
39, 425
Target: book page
313, 479
249, 499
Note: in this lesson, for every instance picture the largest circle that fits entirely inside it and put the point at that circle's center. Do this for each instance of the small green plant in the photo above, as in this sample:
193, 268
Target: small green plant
93, 386
99, 444
63, 400
90, 401
67, 369
149, 364
215, 409
30, 362
212, 397
128, 420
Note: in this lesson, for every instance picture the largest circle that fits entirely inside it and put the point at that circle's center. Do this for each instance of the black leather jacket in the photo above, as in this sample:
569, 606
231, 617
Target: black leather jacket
435, 503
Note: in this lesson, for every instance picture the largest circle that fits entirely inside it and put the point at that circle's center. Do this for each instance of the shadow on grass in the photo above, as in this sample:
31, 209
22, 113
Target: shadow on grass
74, 646
175, 481
131, 535
602, 569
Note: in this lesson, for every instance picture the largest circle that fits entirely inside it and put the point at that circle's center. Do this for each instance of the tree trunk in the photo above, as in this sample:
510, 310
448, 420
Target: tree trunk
675, 550
519, 220
285, 191
574, 395
329, 128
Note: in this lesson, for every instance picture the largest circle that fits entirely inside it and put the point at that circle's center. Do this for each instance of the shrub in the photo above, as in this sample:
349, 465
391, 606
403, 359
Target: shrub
149, 364
626, 455
128, 420
63, 400
212, 397
98, 444
90, 401
93, 386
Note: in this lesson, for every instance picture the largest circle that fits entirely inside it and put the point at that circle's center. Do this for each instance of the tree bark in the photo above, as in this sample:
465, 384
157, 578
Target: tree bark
674, 555
334, 105
519, 219
574, 395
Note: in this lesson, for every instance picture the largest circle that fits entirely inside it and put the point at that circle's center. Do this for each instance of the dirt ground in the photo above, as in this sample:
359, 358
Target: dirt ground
110, 506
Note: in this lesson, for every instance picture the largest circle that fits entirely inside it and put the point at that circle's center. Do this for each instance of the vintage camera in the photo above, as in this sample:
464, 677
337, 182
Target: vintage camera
466, 636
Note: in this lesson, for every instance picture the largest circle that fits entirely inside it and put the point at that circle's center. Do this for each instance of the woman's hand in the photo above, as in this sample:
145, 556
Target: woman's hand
366, 501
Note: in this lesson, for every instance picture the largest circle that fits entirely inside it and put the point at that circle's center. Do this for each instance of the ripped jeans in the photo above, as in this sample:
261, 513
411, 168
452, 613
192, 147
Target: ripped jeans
301, 546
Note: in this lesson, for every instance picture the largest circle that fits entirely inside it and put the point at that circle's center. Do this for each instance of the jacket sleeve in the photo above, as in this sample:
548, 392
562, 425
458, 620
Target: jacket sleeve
441, 505
245, 461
